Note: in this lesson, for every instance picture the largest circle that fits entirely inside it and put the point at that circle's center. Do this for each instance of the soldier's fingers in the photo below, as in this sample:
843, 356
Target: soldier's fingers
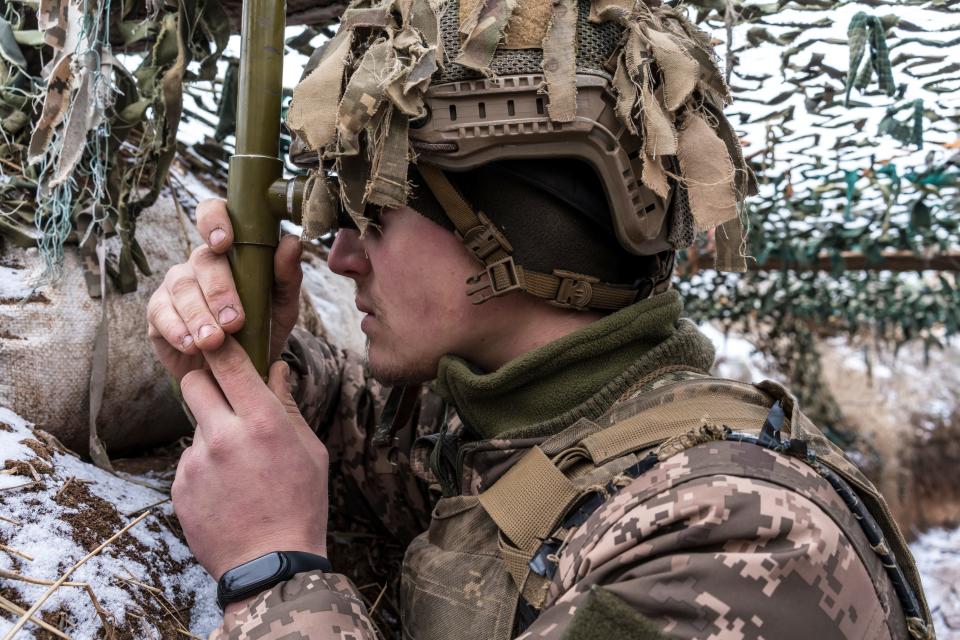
287, 271
237, 377
286, 260
165, 323
219, 290
279, 383
213, 222
206, 402
191, 306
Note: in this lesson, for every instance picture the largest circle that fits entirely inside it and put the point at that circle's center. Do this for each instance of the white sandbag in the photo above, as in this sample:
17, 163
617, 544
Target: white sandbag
328, 306
47, 337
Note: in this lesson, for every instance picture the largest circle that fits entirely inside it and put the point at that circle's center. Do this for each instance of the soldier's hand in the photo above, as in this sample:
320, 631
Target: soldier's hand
197, 305
255, 478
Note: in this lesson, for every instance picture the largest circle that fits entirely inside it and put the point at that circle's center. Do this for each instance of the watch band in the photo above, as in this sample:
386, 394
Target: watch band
250, 578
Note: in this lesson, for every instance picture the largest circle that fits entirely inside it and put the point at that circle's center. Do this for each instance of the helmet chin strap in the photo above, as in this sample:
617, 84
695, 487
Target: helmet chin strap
502, 275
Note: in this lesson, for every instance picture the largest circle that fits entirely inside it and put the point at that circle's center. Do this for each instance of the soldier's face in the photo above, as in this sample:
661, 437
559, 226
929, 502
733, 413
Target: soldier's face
410, 277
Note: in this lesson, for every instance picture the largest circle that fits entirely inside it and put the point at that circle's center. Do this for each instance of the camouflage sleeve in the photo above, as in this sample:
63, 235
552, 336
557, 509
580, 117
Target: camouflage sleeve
309, 606
693, 550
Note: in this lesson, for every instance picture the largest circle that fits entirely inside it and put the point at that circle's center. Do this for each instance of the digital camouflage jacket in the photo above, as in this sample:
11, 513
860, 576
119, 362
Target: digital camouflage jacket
709, 534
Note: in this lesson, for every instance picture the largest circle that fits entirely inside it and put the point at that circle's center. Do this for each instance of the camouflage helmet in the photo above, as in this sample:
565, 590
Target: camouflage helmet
630, 88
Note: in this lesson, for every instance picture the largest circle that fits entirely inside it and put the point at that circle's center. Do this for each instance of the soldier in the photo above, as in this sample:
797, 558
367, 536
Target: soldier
583, 476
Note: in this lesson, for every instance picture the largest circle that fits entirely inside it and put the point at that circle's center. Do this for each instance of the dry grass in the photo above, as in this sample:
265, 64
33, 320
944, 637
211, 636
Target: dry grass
63, 578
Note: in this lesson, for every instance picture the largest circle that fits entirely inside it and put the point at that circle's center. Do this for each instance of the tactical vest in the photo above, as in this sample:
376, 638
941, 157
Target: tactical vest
484, 566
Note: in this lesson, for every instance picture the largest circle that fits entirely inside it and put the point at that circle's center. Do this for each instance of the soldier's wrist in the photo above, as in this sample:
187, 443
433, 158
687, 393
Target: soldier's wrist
249, 579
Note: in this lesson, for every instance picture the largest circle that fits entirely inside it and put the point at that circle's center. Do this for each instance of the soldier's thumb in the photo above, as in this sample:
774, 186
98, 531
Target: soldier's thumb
278, 381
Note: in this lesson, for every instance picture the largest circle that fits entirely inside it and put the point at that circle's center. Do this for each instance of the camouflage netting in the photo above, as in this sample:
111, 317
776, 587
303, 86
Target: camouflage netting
848, 112
90, 101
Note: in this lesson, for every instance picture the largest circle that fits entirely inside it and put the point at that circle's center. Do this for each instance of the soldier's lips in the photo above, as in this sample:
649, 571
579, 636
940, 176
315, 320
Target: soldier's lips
370, 316
364, 307
366, 322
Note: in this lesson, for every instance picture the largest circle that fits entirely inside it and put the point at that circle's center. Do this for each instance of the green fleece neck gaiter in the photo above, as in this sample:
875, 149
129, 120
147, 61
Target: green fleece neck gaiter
579, 375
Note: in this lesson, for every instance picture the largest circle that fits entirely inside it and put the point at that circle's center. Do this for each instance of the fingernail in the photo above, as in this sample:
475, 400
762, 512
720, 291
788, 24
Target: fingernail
186, 341
207, 330
227, 315
217, 236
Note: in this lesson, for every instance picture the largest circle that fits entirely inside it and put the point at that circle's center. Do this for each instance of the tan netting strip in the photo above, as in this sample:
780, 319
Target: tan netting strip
654, 177
680, 71
560, 61
731, 241
313, 112
659, 137
707, 172
526, 28
319, 208
484, 28
388, 185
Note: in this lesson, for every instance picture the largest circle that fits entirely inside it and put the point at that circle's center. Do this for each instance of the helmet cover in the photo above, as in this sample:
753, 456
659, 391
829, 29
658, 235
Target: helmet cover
631, 88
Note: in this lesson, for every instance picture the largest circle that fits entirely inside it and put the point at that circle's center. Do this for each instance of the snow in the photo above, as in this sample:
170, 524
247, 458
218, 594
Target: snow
937, 553
15, 283
13, 450
736, 357
43, 533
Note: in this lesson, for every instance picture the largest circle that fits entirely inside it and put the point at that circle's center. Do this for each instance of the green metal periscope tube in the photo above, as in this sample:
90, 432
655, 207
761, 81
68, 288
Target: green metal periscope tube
257, 196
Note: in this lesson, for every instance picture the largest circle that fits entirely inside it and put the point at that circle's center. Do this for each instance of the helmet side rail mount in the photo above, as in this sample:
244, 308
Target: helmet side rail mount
473, 122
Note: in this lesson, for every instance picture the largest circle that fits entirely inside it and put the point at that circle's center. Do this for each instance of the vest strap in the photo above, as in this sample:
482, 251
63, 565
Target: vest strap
529, 500
528, 503
670, 419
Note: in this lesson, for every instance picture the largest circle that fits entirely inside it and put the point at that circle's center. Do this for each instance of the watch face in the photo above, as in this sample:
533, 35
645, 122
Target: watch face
253, 573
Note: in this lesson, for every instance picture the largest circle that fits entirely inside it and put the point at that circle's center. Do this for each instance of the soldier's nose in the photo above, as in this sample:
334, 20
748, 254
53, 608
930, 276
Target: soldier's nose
347, 255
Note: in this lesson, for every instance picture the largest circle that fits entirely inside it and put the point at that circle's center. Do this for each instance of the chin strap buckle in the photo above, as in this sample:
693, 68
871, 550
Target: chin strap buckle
497, 279
484, 240
575, 290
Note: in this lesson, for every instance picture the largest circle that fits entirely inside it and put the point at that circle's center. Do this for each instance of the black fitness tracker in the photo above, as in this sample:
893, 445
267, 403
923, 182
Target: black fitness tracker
250, 578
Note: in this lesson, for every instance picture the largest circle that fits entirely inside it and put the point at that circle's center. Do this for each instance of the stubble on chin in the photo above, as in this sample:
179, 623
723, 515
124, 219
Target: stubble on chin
393, 371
